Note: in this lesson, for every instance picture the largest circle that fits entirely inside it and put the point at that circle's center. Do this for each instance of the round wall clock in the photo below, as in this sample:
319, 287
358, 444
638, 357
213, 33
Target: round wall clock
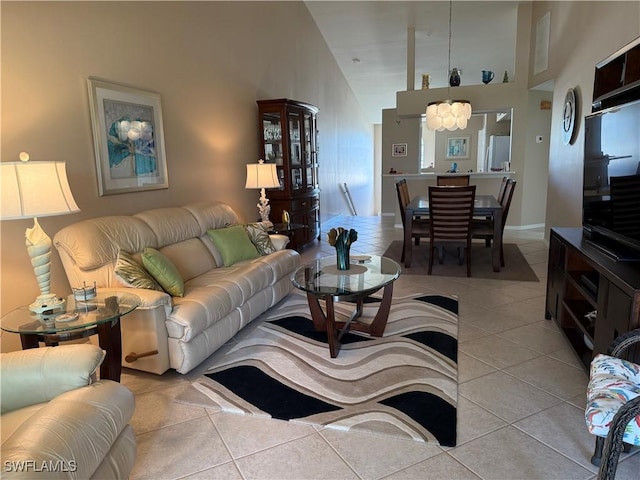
568, 116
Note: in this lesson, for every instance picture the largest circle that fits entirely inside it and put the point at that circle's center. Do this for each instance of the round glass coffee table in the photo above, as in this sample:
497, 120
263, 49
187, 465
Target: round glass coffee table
77, 319
321, 280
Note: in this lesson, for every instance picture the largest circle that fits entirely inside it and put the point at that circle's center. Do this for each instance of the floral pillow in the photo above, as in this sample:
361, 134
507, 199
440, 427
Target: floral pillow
132, 274
260, 238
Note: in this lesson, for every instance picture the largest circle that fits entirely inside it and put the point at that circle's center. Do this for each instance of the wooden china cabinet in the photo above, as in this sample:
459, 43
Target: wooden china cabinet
289, 138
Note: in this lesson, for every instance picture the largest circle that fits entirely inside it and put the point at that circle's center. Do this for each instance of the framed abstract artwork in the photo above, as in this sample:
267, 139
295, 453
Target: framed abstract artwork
458, 147
128, 138
399, 150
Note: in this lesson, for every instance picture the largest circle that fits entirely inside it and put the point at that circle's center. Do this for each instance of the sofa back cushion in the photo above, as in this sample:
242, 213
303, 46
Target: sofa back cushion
191, 257
89, 249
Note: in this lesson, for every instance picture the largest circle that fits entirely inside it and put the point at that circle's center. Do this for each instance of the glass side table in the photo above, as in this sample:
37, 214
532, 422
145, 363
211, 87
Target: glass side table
77, 319
288, 229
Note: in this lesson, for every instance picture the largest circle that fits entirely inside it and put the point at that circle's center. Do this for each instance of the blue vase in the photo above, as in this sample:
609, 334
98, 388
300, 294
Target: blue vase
454, 78
342, 256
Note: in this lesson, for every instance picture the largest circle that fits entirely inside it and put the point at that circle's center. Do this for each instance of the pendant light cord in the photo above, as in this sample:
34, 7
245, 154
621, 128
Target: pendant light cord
448, 79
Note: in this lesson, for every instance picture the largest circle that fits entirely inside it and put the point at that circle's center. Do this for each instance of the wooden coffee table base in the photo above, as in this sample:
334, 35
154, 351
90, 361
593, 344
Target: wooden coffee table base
335, 330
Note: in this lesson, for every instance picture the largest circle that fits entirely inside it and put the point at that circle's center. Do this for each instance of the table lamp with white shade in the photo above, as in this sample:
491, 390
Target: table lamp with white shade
31, 190
262, 175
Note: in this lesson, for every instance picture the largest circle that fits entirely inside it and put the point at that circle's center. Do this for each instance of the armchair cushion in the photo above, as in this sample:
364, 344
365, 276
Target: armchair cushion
39, 375
613, 382
78, 428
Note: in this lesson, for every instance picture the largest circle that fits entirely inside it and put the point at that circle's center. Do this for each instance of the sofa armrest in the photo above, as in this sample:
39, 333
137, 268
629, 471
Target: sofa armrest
148, 298
75, 432
37, 375
279, 241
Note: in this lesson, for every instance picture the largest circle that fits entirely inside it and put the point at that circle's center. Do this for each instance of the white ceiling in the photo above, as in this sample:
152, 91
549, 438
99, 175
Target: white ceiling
375, 33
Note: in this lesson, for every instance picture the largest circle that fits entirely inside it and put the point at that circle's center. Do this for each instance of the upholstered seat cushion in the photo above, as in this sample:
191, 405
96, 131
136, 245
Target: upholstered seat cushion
613, 382
210, 297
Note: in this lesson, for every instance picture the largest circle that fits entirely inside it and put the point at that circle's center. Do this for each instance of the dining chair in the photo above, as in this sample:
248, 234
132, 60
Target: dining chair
451, 213
613, 404
483, 228
419, 226
502, 190
452, 180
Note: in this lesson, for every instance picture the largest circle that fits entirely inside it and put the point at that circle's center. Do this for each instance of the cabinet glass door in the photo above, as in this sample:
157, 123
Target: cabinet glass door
272, 138
294, 138
308, 138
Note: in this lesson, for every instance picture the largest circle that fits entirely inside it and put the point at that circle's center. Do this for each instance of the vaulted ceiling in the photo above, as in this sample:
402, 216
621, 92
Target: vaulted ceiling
369, 42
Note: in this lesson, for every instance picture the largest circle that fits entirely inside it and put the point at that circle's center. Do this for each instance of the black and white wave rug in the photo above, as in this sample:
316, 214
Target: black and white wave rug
403, 384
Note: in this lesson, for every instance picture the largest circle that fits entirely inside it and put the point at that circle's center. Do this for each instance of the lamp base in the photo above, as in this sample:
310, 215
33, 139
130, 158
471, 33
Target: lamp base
48, 302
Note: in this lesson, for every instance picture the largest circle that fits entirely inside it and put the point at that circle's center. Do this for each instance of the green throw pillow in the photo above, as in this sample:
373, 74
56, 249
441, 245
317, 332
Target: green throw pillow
132, 274
234, 244
260, 238
163, 271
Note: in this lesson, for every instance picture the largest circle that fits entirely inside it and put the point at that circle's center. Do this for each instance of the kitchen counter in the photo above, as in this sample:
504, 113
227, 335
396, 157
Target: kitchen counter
433, 175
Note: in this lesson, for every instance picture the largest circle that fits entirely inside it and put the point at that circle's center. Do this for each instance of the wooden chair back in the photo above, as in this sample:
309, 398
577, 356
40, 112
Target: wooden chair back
451, 211
451, 214
506, 200
503, 186
452, 180
403, 196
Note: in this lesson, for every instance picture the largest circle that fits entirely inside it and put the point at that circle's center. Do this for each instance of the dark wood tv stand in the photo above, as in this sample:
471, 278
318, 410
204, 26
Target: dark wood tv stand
581, 279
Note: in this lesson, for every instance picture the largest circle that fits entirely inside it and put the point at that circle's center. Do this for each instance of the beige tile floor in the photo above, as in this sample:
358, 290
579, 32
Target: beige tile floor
520, 413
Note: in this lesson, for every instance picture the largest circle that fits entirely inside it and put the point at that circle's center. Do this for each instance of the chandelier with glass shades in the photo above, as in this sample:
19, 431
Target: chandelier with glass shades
448, 114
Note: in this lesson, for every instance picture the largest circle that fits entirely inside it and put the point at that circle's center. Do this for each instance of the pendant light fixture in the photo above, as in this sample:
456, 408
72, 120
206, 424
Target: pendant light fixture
448, 114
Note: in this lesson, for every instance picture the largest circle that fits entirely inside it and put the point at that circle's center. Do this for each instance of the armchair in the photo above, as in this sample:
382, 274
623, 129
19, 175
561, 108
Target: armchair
613, 403
58, 422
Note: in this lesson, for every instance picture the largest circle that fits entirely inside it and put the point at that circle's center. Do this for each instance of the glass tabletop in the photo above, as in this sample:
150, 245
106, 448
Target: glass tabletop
368, 273
285, 228
74, 314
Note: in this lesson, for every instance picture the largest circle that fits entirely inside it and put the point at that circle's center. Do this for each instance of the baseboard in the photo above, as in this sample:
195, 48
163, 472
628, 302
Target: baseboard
524, 227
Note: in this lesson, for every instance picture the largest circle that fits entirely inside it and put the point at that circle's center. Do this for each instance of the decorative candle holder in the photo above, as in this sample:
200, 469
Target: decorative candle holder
84, 293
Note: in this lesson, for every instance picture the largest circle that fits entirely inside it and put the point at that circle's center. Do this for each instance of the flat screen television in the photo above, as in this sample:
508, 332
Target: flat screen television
611, 187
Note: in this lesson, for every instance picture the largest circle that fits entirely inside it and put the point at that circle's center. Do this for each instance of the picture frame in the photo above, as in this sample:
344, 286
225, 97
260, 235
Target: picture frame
399, 150
128, 138
458, 147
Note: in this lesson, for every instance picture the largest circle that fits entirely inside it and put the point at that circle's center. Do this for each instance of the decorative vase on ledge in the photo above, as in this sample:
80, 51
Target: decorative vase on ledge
342, 240
454, 78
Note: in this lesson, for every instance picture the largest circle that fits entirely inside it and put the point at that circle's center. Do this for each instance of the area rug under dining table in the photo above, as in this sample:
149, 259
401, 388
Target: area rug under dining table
516, 266
403, 384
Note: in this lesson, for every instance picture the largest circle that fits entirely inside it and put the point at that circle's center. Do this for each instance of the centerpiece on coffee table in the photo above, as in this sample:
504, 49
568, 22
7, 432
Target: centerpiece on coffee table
342, 239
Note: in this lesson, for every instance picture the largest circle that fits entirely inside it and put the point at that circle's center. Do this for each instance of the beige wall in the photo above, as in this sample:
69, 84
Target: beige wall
536, 166
210, 62
582, 34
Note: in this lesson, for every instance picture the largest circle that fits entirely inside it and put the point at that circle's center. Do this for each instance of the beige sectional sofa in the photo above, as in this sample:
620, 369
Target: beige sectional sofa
218, 300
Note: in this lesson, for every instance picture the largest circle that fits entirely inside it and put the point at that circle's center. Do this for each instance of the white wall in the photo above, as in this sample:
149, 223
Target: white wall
210, 62
582, 34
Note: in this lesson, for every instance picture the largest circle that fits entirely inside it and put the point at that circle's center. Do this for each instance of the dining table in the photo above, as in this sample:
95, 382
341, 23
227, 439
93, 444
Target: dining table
483, 206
